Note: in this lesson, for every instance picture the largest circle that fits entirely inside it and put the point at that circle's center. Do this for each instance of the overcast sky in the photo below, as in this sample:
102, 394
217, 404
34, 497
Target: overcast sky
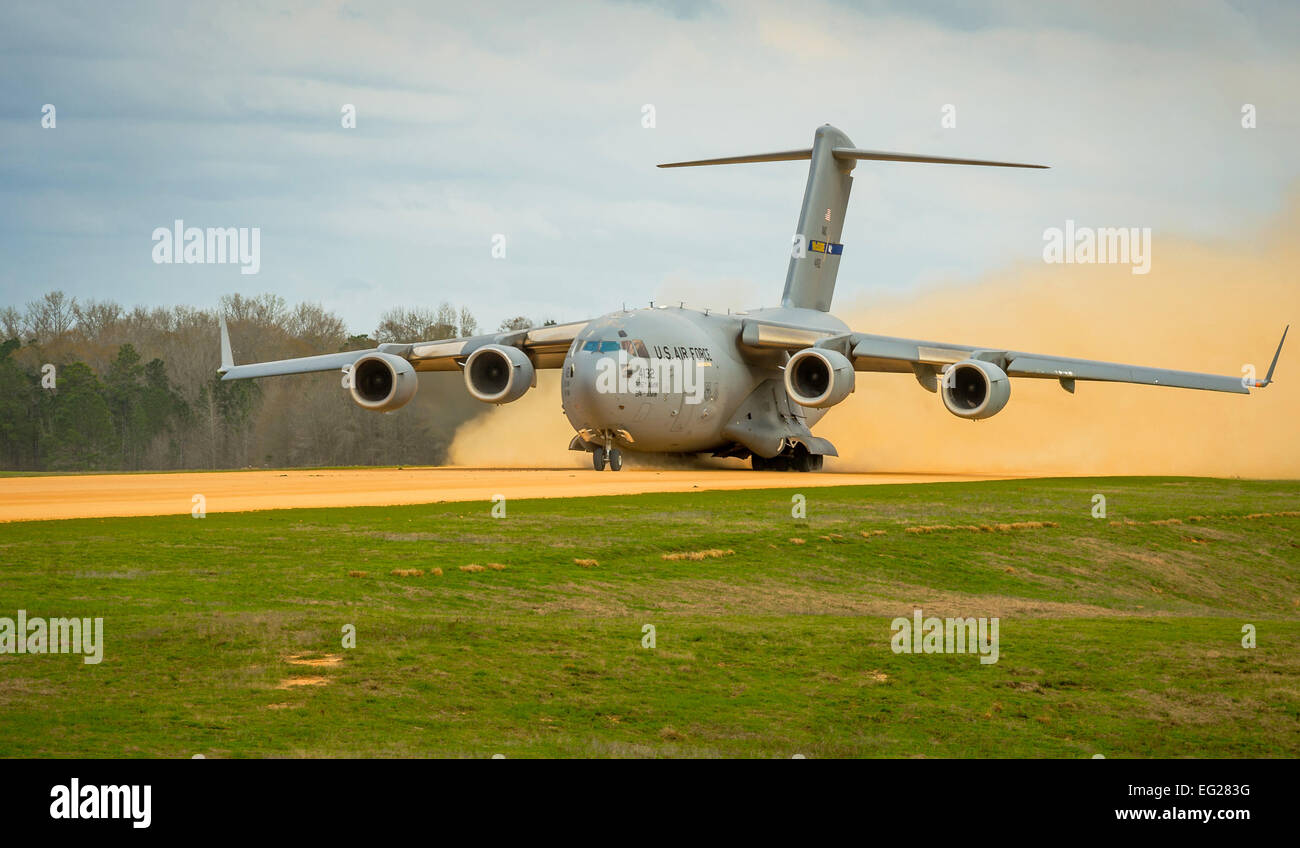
526, 119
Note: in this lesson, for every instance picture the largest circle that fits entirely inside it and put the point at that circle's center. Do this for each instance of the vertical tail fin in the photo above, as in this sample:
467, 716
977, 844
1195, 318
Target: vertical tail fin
815, 254
815, 257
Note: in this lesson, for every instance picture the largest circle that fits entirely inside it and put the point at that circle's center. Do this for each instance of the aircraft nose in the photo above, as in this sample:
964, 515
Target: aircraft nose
583, 383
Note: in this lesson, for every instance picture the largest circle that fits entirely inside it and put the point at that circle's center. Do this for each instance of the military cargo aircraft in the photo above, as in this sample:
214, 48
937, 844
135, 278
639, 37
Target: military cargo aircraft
745, 384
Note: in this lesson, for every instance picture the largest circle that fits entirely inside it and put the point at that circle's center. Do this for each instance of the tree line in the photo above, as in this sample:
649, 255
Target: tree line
93, 386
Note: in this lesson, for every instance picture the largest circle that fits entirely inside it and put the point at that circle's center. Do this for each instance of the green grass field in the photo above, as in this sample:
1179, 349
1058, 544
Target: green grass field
1119, 636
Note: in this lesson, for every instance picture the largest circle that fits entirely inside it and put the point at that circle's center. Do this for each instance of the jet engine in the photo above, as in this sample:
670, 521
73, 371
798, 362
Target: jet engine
498, 373
818, 377
975, 389
383, 382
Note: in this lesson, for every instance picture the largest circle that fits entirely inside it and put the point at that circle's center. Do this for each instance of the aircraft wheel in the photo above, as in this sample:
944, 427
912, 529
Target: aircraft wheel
615, 459
598, 459
817, 462
778, 463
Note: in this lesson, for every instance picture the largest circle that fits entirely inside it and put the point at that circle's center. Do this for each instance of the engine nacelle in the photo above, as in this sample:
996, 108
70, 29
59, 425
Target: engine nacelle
498, 373
818, 377
975, 389
383, 382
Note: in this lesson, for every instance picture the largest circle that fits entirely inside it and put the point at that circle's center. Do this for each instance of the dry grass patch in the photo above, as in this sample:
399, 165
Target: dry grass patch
496, 566
1005, 527
867, 534
586, 563
472, 568
406, 572
796, 541
294, 682
325, 660
696, 556
357, 573
406, 537
1197, 519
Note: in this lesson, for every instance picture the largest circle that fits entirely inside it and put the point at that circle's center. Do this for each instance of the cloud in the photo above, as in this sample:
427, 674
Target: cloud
526, 120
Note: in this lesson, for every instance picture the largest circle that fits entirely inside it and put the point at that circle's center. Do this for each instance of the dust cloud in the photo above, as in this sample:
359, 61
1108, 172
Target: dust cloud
1212, 307
532, 432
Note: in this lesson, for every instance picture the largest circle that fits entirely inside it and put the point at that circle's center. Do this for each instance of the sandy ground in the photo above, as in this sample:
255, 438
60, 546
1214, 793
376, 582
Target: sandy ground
104, 495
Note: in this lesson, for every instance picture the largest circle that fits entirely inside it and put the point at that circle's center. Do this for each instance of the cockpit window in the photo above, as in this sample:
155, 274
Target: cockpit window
609, 347
635, 349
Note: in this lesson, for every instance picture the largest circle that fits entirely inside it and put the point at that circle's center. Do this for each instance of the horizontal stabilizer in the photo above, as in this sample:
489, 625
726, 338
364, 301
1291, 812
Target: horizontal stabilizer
848, 153
885, 156
786, 156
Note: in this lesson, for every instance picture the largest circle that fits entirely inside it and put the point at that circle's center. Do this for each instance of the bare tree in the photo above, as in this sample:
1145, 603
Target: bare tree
320, 329
519, 322
468, 323
50, 317
11, 320
406, 325
263, 310
97, 318
446, 325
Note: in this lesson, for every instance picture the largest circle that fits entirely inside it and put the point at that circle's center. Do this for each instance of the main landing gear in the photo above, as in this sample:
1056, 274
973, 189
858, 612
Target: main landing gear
798, 459
613, 456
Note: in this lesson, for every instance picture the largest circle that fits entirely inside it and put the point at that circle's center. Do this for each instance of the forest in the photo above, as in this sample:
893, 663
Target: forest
95, 386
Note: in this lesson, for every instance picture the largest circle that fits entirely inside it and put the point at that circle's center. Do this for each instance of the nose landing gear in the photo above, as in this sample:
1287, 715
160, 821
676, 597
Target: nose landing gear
601, 456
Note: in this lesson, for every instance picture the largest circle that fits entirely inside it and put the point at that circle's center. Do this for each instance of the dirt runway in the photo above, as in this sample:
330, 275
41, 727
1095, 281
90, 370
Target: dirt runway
106, 495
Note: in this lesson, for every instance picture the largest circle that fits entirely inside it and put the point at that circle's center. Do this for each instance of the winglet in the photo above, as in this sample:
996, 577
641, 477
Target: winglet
227, 360
1259, 384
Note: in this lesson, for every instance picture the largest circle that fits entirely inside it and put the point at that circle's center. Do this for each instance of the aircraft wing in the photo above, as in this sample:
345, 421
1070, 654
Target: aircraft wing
928, 359
545, 345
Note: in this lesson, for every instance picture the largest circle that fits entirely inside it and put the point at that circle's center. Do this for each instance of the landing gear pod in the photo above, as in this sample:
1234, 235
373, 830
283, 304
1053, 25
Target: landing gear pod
975, 389
498, 373
818, 378
382, 382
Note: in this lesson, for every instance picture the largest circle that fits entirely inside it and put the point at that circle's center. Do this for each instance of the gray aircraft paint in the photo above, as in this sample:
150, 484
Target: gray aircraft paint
746, 408
665, 422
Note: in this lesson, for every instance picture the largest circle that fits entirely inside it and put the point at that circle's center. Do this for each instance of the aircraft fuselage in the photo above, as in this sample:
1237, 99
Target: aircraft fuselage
671, 379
